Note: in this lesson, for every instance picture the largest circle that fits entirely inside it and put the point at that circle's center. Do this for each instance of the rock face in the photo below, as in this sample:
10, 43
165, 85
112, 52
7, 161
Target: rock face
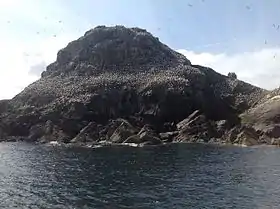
122, 85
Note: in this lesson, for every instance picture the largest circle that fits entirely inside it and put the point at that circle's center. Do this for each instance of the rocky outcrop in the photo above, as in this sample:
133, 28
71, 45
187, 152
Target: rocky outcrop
90, 133
146, 136
124, 131
122, 85
47, 132
196, 127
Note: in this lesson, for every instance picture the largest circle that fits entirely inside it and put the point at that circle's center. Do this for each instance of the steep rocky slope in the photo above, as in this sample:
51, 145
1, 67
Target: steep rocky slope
122, 85
265, 117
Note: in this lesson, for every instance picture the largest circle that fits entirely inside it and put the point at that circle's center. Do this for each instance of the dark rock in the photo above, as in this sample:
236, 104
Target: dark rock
124, 131
143, 138
195, 128
111, 127
4, 105
168, 136
117, 72
275, 141
133, 139
186, 121
232, 75
47, 132
147, 129
248, 137
87, 134
243, 135
146, 136
147, 139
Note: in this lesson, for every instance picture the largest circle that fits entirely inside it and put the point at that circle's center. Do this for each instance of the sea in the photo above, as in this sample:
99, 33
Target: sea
172, 176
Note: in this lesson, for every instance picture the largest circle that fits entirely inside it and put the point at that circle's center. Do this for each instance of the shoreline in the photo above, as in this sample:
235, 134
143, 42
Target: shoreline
107, 144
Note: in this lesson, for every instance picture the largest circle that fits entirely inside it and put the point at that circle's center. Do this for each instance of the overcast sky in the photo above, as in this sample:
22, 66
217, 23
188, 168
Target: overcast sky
240, 36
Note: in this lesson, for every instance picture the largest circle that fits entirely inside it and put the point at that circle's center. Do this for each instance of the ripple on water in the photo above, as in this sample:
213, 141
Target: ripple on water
176, 176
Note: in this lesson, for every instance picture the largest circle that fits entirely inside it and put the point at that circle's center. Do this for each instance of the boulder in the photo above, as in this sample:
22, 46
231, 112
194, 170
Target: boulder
147, 139
195, 128
124, 131
144, 139
168, 136
90, 133
146, 136
275, 141
184, 123
46, 132
243, 135
147, 129
133, 139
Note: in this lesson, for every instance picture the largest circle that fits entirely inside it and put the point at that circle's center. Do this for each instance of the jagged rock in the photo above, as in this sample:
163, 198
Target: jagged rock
113, 46
196, 128
186, 121
111, 127
89, 133
147, 129
168, 136
133, 139
248, 137
124, 131
243, 135
47, 132
275, 141
36, 132
265, 116
150, 140
144, 137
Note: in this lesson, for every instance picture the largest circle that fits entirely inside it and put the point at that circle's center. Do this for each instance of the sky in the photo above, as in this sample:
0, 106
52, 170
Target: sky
239, 36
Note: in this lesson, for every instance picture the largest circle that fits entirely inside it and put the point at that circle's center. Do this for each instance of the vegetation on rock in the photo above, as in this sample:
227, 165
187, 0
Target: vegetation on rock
113, 81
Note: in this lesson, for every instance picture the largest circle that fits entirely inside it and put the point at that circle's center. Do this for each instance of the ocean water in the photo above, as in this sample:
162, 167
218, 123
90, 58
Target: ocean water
175, 176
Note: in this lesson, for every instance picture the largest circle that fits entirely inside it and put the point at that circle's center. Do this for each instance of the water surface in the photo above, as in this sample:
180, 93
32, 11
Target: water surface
177, 176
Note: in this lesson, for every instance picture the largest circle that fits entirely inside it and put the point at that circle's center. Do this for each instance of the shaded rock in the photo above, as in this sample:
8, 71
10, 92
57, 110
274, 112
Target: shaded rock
124, 131
168, 136
112, 46
4, 105
46, 132
133, 139
36, 132
147, 129
110, 128
247, 137
147, 139
87, 134
243, 135
146, 136
143, 139
195, 128
2, 133
275, 141
232, 75
271, 131
186, 121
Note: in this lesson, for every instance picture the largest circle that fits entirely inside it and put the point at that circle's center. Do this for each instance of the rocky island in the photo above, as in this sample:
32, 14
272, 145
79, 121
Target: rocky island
121, 85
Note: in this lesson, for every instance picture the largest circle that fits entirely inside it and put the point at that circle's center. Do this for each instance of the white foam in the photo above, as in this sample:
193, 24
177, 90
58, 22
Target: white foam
53, 143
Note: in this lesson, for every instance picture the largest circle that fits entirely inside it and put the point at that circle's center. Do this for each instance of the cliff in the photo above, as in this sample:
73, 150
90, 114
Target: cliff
122, 85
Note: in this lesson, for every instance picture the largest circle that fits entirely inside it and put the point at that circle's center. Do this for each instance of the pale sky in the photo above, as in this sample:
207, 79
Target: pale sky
240, 35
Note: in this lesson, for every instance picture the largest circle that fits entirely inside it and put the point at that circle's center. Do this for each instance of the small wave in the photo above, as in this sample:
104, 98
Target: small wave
132, 144
54, 143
